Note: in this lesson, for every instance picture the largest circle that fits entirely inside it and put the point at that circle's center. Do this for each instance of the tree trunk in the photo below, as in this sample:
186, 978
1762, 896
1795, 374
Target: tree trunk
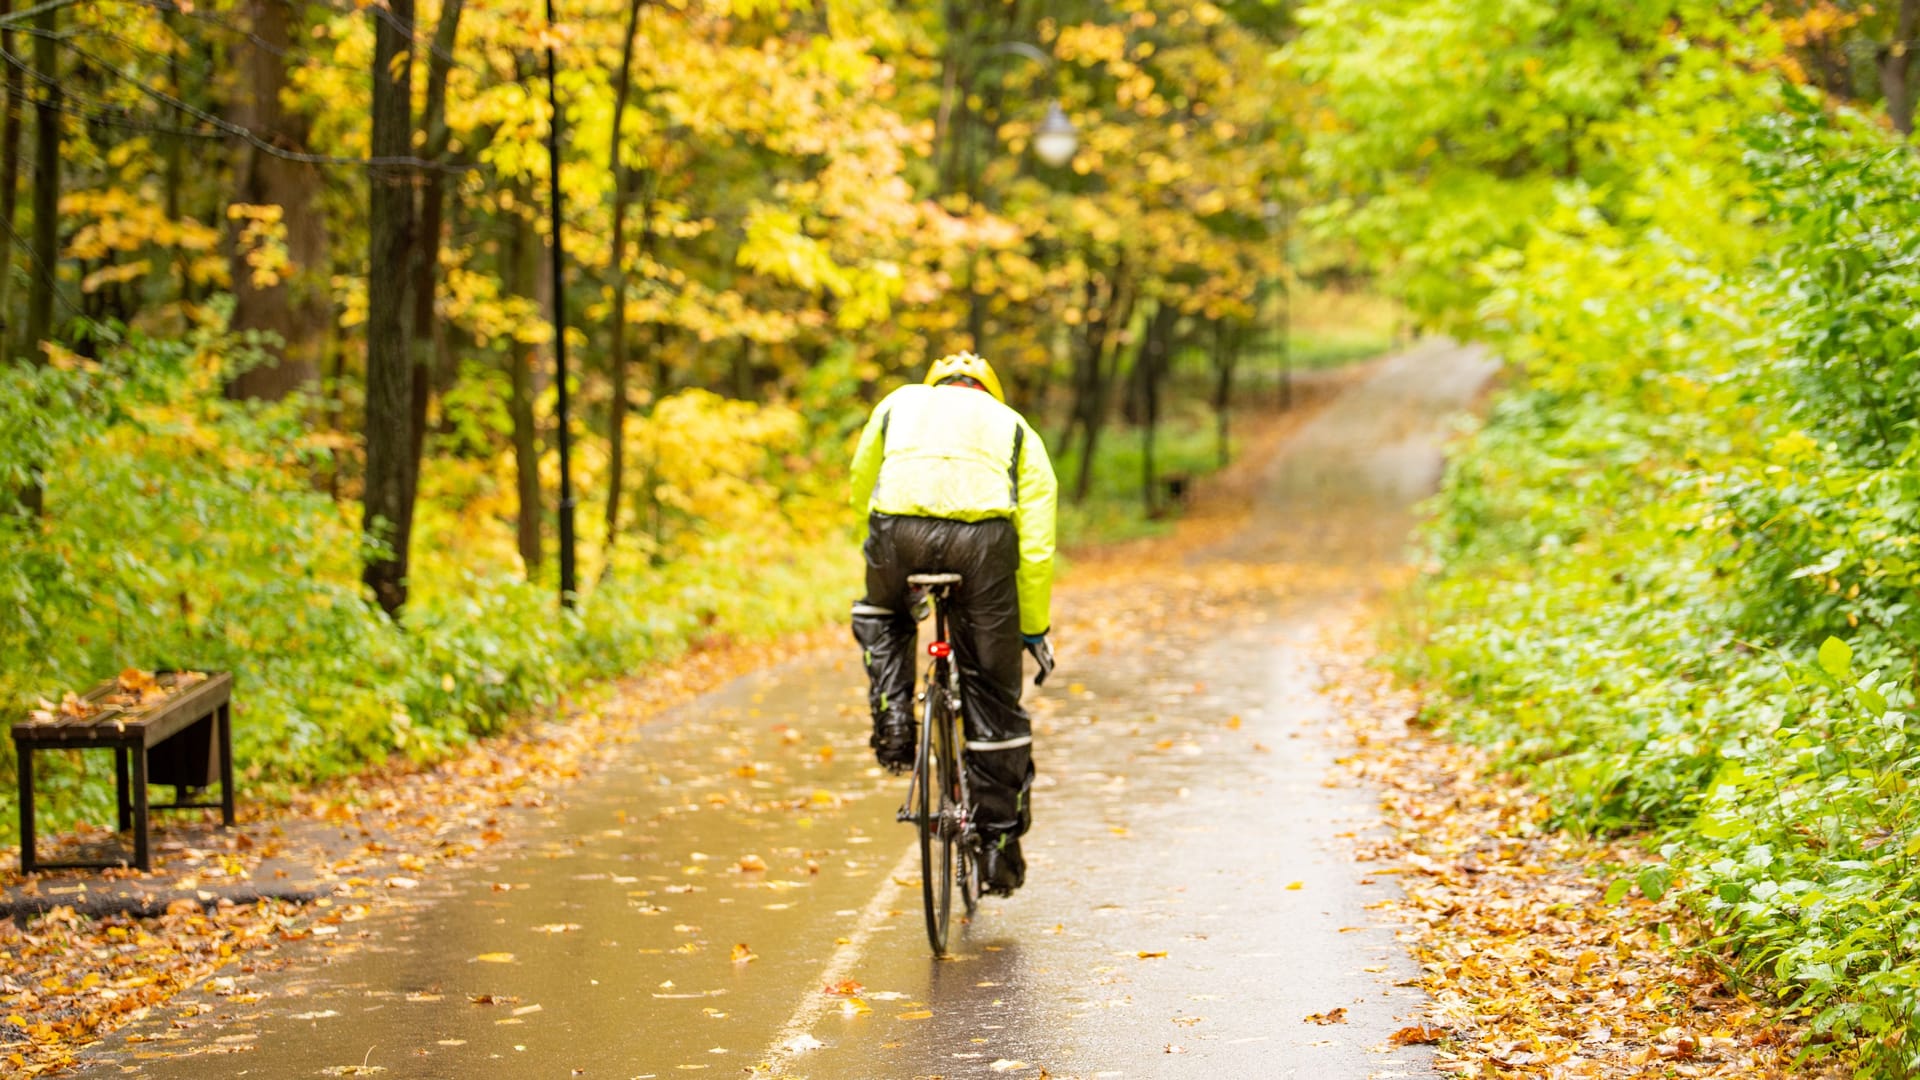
945, 145
429, 334
45, 249
1285, 343
521, 361
654, 355
183, 260
296, 308
617, 377
388, 430
743, 370
46, 188
1897, 66
1151, 363
1084, 360
617, 357
1101, 378
9, 183
650, 480
176, 169
1225, 355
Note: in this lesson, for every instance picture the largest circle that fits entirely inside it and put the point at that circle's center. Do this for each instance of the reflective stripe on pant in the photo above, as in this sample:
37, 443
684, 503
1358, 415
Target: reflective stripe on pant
983, 623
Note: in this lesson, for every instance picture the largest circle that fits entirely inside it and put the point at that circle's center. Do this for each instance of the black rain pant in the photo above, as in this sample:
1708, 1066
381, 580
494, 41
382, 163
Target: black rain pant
983, 625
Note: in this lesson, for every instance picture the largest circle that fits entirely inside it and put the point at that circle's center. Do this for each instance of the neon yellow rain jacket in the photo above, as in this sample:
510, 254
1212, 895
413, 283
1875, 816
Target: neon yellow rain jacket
954, 452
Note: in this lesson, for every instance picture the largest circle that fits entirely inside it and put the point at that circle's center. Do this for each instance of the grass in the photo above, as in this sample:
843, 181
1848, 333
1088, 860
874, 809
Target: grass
1114, 509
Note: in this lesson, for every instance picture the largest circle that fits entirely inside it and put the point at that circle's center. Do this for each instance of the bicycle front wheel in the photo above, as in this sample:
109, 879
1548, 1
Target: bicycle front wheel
936, 832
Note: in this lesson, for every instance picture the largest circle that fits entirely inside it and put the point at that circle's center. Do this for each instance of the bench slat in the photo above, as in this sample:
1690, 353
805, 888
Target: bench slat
118, 725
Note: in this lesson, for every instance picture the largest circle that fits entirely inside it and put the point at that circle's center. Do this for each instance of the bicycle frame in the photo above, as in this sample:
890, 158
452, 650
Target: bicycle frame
939, 803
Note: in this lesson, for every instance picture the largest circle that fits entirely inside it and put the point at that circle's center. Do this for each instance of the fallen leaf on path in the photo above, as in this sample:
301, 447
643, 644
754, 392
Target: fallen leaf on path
744, 955
1008, 1065
1529, 968
495, 958
1331, 1016
1145, 955
848, 988
917, 1014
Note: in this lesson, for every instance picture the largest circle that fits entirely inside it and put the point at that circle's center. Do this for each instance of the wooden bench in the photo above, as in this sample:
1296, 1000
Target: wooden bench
184, 740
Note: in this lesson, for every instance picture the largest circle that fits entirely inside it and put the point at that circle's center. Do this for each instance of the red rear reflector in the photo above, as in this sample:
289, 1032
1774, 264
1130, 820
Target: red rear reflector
940, 649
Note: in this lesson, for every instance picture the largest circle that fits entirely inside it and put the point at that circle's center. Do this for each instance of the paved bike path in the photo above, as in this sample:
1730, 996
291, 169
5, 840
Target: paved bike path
1190, 902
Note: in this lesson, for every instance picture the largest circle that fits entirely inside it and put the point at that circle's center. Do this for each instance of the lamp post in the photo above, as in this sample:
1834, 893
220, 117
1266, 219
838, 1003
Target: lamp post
1275, 214
567, 581
1055, 141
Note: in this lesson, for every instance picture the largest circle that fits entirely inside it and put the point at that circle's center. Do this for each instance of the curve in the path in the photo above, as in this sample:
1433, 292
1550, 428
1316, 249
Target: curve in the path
1190, 905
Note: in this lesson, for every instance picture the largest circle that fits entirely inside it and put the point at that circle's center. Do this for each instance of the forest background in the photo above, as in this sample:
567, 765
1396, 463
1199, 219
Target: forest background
279, 304
277, 271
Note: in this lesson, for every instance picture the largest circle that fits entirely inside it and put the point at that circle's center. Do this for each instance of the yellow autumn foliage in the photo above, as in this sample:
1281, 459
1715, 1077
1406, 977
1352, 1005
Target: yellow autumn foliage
714, 460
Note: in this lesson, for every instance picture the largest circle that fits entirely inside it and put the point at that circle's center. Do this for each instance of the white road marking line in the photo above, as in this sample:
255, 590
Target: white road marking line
845, 956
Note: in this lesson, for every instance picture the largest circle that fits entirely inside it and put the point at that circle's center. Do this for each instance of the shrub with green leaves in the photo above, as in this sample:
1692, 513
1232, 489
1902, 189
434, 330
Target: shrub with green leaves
1672, 574
184, 530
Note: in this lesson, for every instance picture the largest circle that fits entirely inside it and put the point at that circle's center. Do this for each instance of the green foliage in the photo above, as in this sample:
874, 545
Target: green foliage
1672, 573
1114, 509
1451, 125
183, 530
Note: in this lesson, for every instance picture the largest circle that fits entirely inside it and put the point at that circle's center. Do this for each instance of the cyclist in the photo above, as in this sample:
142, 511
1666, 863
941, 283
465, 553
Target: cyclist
954, 480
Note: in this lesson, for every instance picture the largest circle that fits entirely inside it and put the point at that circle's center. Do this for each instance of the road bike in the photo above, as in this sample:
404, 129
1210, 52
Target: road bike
937, 803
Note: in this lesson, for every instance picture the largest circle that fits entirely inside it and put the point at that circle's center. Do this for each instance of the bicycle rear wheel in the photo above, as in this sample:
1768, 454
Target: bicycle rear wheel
966, 840
935, 817
963, 863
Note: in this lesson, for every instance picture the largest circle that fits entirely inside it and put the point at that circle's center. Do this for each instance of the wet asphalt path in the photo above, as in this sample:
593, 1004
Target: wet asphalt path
1190, 900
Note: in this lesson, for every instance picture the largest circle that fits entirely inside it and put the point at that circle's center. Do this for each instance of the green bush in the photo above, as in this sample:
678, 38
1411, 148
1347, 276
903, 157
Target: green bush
1673, 573
184, 530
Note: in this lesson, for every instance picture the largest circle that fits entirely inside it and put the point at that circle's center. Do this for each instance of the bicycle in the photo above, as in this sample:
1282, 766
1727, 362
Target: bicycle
945, 823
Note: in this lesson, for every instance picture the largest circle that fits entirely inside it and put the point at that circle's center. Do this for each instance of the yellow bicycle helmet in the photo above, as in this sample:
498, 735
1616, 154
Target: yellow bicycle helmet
966, 365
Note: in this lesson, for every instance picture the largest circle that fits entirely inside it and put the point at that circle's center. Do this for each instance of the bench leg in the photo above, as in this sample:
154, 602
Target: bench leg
140, 857
25, 754
120, 788
226, 764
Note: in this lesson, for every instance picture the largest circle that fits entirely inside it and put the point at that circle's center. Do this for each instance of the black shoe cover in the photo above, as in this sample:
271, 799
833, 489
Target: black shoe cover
894, 744
1002, 869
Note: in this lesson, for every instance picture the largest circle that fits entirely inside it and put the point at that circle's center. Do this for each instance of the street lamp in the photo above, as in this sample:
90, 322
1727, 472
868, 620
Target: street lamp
1056, 139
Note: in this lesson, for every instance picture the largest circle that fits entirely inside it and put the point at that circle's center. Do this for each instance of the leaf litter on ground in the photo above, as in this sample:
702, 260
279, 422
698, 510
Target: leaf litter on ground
68, 978
1532, 967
